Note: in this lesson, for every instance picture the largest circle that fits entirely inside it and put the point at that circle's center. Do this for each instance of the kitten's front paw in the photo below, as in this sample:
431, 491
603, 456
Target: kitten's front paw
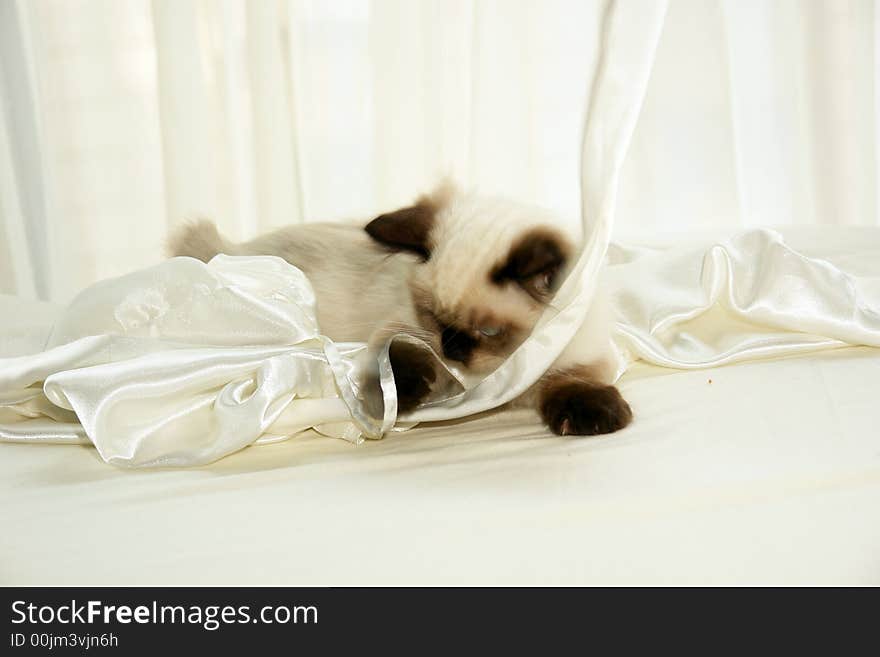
413, 374
583, 409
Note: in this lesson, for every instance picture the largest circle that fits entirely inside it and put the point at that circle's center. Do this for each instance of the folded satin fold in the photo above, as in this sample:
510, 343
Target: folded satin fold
748, 297
185, 362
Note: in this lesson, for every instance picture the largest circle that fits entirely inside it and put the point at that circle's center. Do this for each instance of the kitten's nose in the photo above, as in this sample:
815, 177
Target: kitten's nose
456, 345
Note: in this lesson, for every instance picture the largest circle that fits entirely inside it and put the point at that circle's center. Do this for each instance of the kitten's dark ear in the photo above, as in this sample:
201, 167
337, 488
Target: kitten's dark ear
407, 229
535, 262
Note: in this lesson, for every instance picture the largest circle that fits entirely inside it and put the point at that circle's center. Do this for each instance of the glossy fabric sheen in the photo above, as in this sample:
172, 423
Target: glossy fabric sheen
746, 297
183, 363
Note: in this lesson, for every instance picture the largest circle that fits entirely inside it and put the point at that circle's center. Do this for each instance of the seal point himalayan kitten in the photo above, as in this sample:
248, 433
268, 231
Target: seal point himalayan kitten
468, 274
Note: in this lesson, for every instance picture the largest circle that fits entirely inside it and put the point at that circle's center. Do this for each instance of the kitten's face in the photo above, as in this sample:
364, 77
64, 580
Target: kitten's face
489, 268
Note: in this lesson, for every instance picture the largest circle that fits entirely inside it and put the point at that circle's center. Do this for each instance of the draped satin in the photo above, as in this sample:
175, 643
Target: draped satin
186, 362
747, 297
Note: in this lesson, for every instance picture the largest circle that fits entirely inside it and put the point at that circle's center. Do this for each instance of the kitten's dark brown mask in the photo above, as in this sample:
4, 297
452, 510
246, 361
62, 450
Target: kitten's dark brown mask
488, 268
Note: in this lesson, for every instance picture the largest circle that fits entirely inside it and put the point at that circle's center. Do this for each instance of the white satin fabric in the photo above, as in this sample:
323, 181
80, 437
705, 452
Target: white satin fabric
747, 297
183, 363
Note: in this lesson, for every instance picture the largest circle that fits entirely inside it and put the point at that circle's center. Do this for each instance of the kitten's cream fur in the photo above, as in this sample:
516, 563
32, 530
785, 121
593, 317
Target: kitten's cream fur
468, 273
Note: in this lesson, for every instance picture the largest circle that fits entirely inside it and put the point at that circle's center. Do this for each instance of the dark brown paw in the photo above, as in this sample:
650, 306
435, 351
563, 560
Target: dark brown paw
413, 374
584, 409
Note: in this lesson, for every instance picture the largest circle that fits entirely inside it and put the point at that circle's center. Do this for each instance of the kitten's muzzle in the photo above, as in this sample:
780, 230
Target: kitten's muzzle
457, 345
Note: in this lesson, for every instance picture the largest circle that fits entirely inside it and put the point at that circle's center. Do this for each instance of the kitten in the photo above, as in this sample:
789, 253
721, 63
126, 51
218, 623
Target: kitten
468, 274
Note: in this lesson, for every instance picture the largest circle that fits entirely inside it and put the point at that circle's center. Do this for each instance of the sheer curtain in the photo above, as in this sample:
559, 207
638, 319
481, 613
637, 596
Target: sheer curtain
120, 118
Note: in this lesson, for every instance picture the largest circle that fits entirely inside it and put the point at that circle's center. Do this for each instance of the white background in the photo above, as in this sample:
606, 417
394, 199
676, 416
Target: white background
121, 118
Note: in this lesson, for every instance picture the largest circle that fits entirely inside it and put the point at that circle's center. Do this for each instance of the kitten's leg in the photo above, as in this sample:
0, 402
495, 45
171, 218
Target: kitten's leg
575, 397
413, 367
573, 401
413, 374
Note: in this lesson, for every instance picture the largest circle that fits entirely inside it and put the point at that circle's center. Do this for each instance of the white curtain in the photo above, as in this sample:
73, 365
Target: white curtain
120, 118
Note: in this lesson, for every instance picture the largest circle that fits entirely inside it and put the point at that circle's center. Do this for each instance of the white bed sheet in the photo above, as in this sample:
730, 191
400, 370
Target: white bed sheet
762, 472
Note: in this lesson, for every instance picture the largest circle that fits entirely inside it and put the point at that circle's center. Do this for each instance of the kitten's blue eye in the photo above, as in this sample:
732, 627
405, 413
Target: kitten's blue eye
490, 331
